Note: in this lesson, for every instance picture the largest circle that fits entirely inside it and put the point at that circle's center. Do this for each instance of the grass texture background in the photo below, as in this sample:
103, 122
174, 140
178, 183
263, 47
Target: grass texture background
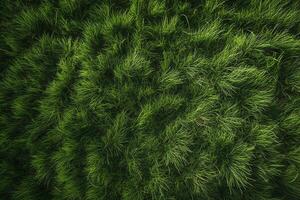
150, 99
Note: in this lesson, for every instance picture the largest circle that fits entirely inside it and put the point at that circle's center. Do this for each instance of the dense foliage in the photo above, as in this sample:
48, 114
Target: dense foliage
150, 99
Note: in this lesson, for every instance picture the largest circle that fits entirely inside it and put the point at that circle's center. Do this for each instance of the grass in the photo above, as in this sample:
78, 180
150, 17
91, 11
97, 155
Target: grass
156, 99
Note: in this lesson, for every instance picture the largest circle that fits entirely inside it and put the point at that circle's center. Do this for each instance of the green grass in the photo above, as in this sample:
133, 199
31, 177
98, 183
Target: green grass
150, 99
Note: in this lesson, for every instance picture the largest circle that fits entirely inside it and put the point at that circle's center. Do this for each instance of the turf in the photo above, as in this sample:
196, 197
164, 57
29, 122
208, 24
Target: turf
150, 99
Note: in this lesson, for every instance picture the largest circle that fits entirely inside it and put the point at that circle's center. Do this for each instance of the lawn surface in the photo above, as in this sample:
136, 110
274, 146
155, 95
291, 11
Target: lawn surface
150, 99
